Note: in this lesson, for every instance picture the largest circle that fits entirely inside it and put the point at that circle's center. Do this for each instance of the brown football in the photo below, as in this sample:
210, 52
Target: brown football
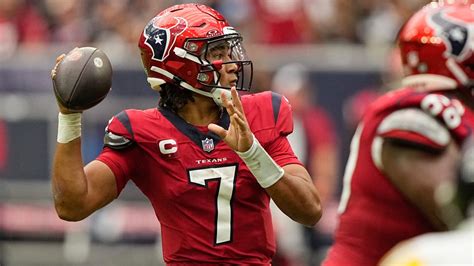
83, 78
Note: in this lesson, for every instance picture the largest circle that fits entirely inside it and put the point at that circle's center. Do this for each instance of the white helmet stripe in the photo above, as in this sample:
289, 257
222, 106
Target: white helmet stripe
162, 72
183, 54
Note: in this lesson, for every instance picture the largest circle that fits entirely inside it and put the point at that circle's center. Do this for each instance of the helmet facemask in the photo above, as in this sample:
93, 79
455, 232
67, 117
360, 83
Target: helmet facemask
219, 52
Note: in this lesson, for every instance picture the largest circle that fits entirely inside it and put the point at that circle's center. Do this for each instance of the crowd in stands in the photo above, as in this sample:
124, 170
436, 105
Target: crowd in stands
35, 23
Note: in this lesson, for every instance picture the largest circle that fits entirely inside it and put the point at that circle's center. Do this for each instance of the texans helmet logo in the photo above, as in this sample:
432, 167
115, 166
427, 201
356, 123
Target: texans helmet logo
160, 40
454, 34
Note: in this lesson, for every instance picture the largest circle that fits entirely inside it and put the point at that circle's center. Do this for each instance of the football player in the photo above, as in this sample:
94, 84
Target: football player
456, 247
408, 141
208, 160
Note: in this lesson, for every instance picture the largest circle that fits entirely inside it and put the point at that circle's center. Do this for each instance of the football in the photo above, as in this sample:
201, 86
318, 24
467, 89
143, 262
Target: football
82, 78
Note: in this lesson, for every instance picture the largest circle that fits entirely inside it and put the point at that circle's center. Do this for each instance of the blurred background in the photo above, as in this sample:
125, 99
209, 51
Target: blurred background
331, 58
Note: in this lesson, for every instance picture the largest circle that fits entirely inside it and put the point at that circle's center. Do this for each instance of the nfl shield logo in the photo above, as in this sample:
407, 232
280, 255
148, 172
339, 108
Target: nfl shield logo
208, 145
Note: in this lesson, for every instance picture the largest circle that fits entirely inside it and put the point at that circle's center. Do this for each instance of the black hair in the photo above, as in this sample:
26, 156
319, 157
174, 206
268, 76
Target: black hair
173, 97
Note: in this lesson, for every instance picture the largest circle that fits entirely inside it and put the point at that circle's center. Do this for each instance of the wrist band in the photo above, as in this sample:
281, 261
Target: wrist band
262, 166
69, 127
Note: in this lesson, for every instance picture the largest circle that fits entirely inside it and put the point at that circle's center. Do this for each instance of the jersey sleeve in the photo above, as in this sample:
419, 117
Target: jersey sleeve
271, 121
427, 120
121, 162
268, 113
278, 146
281, 152
119, 153
414, 127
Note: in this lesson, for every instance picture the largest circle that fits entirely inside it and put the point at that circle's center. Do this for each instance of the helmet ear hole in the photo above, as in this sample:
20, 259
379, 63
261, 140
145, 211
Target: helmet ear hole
204, 78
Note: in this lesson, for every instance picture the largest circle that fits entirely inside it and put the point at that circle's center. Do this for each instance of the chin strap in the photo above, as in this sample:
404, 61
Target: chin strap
215, 93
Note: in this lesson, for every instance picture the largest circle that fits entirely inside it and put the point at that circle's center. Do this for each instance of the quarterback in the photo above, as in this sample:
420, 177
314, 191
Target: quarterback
208, 160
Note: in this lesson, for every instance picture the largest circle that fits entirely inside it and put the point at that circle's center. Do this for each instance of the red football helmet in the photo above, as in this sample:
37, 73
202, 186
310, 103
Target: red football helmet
175, 45
437, 44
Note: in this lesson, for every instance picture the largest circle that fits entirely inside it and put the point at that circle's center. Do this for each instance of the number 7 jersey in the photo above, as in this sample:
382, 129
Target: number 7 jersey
210, 207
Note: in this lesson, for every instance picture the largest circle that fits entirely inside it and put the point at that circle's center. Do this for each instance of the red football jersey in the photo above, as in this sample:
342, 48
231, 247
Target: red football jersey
210, 207
374, 216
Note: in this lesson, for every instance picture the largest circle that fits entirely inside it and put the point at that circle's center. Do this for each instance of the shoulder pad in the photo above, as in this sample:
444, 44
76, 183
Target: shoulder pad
449, 112
415, 126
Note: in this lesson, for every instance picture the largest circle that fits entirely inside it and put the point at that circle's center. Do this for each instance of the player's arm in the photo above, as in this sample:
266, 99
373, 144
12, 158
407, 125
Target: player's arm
77, 190
417, 173
416, 152
295, 195
290, 187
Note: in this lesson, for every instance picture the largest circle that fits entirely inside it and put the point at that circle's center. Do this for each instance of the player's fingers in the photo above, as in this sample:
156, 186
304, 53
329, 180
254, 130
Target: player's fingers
230, 109
224, 98
233, 121
240, 123
238, 103
236, 99
240, 114
228, 104
58, 60
221, 132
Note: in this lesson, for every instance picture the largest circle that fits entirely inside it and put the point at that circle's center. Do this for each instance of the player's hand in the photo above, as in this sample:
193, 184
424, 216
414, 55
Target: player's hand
55, 68
238, 136
60, 58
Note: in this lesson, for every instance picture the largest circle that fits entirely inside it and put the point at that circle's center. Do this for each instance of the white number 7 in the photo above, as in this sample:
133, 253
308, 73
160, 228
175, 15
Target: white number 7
225, 175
